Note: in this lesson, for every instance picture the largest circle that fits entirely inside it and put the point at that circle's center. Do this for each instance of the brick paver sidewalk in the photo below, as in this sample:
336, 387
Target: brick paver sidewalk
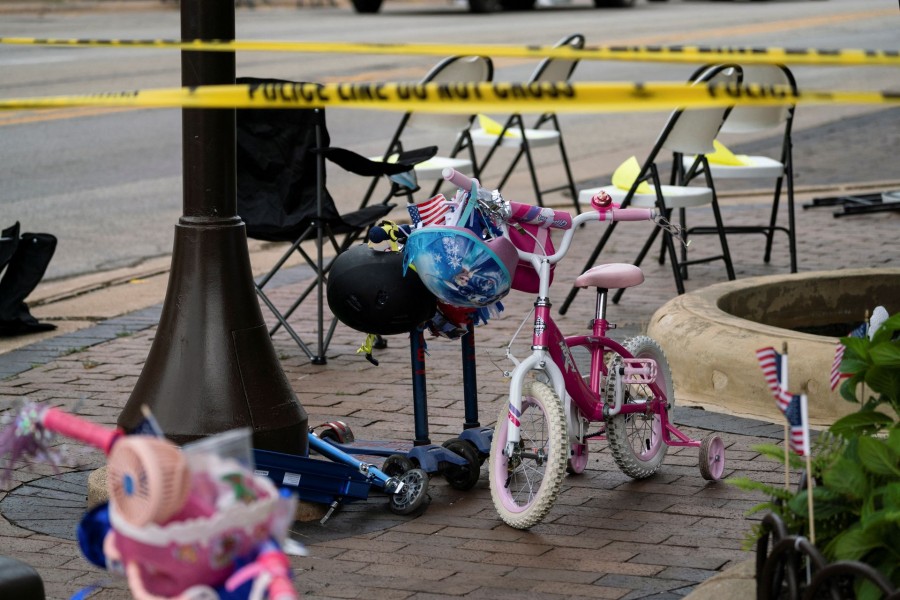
607, 536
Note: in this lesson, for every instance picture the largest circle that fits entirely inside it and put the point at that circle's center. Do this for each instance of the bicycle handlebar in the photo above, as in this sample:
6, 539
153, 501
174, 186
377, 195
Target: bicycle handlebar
628, 214
460, 180
80, 429
546, 217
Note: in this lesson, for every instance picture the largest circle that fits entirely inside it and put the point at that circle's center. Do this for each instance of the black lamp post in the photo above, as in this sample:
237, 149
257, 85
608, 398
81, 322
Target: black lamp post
212, 366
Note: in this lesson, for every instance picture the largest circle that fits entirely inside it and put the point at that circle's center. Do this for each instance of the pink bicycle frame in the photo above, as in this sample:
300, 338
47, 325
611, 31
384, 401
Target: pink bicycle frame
548, 340
563, 372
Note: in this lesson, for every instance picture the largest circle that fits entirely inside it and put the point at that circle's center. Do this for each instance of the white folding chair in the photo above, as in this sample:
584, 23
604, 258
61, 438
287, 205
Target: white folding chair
545, 133
688, 131
454, 69
750, 119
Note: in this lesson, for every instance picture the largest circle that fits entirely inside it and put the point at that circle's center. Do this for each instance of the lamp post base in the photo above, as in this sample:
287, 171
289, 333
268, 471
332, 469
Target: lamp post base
212, 366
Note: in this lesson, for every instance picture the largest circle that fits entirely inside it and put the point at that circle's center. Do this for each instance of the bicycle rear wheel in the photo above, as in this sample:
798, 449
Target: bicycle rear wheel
635, 439
524, 486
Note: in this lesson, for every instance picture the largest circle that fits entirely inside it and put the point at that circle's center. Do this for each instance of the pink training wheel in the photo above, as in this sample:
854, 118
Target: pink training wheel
578, 459
712, 458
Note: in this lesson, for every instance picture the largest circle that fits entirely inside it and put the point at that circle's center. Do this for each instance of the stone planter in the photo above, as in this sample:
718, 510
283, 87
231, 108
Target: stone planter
710, 337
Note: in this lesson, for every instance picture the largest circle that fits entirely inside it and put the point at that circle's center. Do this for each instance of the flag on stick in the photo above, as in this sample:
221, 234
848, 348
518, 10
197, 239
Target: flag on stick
791, 405
836, 374
429, 212
799, 433
866, 330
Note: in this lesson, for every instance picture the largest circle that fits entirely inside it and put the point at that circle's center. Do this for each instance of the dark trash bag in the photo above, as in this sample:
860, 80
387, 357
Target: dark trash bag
23, 262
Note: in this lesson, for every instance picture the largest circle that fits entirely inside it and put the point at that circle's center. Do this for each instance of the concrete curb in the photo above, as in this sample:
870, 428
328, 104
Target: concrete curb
735, 583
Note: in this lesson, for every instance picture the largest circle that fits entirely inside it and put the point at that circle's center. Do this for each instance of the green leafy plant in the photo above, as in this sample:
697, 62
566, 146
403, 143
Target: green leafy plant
855, 464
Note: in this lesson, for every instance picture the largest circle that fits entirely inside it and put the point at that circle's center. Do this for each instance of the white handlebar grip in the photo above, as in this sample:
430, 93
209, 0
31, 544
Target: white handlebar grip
458, 179
632, 214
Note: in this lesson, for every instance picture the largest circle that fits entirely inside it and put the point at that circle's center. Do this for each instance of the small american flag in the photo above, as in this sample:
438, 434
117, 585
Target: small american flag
428, 212
770, 363
796, 417
836, 374
792, 405
865, 330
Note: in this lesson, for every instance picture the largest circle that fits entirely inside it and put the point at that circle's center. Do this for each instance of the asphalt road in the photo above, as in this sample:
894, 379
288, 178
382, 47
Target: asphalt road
108, 182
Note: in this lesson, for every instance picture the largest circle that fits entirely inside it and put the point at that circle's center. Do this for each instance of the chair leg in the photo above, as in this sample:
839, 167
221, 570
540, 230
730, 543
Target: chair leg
320, 268
570, 180
320, 277
726, 255
640, 258
667, 215
512, 167
323, 340
464, 142
792, 223
532, 173
773, 219
283, 322
676, 268
516, 121
791, 231
682, 222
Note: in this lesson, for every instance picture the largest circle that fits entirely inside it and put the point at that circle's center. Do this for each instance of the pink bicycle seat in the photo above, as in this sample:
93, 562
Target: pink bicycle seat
611, 276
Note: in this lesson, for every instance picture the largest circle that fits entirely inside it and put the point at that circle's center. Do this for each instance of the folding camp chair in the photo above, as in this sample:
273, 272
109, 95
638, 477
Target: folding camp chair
514, 134
454, 69
282, 197
750, 119
687, 131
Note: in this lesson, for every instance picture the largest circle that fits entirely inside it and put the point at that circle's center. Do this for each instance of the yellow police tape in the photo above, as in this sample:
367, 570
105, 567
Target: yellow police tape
669, 54
465, 98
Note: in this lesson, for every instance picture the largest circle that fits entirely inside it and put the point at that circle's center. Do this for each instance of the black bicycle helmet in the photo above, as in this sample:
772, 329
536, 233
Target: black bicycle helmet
367, 291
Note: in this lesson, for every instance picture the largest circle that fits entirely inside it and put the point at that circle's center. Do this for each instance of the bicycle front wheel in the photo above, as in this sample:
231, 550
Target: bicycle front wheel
525, 485
636, 439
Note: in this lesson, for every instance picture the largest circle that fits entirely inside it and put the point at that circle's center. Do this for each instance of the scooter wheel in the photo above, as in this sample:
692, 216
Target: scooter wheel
396, 465
462, 477
414, 494
337, 431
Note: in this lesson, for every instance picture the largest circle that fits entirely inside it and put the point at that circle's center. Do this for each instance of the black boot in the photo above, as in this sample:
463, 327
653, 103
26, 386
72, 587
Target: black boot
24, 270
9, 241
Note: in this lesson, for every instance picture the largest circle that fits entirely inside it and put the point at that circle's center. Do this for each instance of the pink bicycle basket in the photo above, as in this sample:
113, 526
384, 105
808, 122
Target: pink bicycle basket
533, 239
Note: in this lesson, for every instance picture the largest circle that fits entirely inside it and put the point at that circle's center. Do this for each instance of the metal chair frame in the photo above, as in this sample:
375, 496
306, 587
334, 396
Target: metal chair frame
548, 70
784, 180
649, 173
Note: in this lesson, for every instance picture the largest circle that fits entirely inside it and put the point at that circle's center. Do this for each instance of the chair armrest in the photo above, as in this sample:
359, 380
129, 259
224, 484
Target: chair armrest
360, 165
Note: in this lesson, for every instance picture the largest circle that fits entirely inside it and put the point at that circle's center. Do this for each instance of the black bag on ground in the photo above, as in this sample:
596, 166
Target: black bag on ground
25, 258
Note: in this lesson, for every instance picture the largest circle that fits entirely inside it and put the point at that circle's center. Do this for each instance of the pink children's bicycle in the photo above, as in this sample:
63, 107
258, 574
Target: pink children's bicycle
544, 431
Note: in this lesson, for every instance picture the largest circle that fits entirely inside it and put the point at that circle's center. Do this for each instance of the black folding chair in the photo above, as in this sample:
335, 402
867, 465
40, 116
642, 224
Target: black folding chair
282, 197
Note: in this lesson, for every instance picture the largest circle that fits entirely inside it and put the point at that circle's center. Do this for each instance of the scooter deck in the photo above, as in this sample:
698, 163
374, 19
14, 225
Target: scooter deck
314, 480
